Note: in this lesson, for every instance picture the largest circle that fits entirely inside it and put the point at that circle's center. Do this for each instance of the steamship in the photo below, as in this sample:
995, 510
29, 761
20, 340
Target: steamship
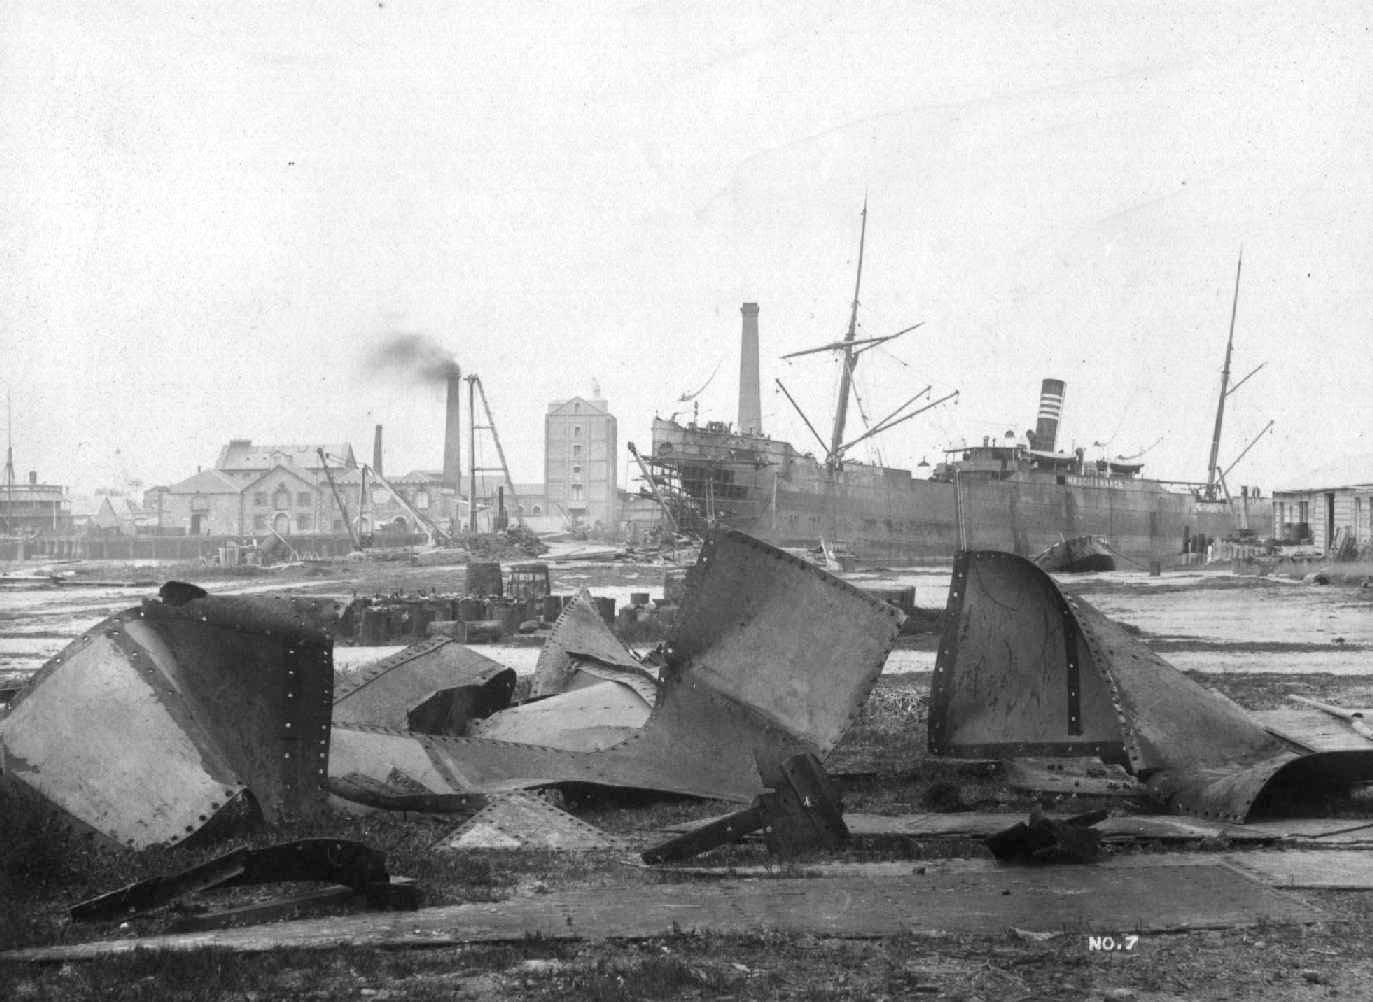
1015, 495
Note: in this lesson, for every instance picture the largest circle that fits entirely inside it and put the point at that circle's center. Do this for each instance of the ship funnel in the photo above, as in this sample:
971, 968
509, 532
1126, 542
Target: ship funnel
452, 431
750, 406
1050, 408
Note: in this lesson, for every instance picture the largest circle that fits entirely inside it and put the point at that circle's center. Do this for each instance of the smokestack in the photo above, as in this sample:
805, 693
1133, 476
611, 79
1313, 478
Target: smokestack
376, 451
750, 407
452, 431
1050, 409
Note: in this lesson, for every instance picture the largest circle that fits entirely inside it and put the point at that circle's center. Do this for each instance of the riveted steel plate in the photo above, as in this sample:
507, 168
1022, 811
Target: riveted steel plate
158, 718
580, 634
1018, 658
437, 686
525, 821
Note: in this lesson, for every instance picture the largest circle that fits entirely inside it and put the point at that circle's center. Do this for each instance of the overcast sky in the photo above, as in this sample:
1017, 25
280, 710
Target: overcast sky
211, 214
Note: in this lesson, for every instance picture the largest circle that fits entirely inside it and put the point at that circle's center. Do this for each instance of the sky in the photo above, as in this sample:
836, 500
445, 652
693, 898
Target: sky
211, 215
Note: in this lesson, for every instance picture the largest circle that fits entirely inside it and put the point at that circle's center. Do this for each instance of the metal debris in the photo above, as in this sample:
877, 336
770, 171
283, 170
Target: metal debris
771, 657
1046, 840
590, 718
330, 860
165, 718
436, 687
525, 821
582, 642
802, 811
1023, 669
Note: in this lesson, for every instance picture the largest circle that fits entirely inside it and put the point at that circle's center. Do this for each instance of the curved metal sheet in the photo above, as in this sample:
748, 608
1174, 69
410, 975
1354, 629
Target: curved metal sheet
590, 718
1024, 670
437, 686
773, 657
1008, 677
153, 722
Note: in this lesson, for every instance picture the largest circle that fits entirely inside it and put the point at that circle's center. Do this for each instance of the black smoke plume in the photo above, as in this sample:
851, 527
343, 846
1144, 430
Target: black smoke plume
415, 356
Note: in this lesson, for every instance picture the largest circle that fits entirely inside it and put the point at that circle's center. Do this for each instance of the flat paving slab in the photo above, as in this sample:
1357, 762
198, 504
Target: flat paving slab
1120, 828
1325, 869
1093, 901
1316, 869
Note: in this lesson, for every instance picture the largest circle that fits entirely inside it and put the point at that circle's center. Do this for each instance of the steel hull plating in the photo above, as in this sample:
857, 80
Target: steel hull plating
763, 487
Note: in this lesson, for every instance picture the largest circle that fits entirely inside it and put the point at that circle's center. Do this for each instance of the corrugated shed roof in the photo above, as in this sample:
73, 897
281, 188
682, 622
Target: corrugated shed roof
205, 482
241, 454
1351, 471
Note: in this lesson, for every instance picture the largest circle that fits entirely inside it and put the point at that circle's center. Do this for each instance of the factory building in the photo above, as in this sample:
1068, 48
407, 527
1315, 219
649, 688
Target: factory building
580, 472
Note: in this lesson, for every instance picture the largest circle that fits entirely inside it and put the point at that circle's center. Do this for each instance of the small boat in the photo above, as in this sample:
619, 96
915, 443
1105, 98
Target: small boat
1078, 555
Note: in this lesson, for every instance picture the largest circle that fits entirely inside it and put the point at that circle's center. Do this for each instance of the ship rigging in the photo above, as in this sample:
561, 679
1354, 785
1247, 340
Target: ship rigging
851, 347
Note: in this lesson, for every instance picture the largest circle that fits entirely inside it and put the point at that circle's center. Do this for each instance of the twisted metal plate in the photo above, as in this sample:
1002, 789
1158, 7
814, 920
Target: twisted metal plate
452, 682
579, 635
1024, 670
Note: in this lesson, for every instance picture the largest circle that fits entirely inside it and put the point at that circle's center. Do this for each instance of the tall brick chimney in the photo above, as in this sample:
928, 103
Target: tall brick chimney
376, 451
452, 432
750, 406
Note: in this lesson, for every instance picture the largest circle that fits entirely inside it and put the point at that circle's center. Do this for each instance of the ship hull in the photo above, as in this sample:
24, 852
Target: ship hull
879, 514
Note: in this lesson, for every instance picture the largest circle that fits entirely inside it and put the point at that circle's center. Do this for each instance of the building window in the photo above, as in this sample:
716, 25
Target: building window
302, 523
338, 525
260, 523
538, 509
576, 450
281, 498
576, 492
576, 431
302, 499
576, 470
260, 498
422, 500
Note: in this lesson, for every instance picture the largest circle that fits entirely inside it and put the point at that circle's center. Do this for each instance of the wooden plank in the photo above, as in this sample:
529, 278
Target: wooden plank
1085, 899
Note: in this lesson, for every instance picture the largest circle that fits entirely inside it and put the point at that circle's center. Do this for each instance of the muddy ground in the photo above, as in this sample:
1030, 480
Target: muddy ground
1256, 639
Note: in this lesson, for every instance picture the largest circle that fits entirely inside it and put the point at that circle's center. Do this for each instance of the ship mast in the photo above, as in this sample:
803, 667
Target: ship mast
9, 459
850, 358
1212, 467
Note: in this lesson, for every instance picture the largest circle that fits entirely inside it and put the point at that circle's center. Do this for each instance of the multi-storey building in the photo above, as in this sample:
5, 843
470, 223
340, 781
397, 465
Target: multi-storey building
580, 473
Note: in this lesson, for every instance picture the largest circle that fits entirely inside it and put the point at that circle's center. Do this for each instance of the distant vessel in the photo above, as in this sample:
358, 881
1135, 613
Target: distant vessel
1021, 496
1078, 555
